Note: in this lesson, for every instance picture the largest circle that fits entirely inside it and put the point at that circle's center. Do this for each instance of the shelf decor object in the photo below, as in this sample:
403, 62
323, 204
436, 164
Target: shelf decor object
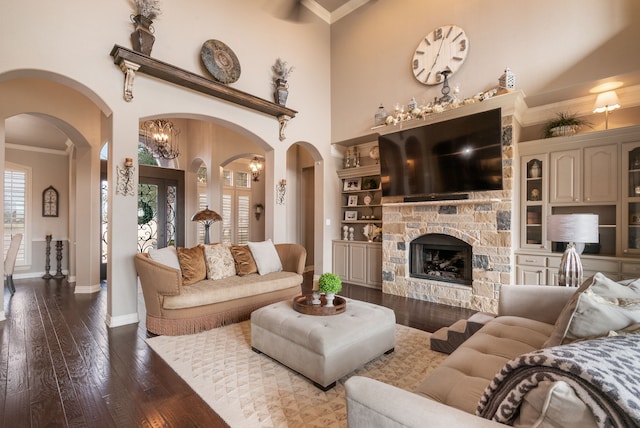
576, 230
606, 102
131, 62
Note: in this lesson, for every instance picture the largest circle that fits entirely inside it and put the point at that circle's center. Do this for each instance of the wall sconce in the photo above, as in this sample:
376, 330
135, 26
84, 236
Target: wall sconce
281, 190
124, 176
256, 166
606, 102
258, 211
207, 218
162, 138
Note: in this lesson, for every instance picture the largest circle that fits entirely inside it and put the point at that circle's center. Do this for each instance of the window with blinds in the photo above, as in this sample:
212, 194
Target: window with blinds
16, 182
236, 205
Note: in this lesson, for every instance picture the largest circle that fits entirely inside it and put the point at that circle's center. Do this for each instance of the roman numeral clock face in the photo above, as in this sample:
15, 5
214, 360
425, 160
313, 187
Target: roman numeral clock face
445, 48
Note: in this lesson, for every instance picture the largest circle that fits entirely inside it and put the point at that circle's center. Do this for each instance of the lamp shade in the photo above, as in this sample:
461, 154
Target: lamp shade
572, 228
606, 101
207, 216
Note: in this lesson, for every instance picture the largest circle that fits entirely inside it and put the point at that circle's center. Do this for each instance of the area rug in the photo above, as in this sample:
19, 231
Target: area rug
252, 390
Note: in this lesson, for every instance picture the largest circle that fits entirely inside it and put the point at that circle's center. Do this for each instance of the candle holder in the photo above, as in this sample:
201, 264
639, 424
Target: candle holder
59, 274
47, 259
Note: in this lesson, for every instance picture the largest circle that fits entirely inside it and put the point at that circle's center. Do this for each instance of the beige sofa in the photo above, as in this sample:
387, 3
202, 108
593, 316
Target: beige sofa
174, 309
450, 394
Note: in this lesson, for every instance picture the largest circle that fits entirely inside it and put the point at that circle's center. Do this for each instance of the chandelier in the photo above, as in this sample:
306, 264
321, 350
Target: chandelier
256, 166
162, 138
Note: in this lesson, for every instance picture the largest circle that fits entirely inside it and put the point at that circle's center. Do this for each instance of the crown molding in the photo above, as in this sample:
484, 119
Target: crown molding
37, 149
336, 15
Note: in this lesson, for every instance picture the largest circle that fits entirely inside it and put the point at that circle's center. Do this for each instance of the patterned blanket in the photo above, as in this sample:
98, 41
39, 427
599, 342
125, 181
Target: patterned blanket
604, 373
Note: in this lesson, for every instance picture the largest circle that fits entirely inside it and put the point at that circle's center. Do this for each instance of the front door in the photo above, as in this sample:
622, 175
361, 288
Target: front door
160, 208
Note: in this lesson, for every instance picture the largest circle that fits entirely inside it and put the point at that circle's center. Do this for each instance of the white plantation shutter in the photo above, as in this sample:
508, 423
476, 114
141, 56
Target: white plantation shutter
236, 207
202, 204
227, 217
16, 180
242, 219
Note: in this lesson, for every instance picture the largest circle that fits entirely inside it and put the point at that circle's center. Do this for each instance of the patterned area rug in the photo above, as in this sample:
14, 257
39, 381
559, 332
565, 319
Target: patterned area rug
251, 390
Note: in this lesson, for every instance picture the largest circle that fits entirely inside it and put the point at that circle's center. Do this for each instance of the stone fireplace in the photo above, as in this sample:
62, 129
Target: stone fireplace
481, 224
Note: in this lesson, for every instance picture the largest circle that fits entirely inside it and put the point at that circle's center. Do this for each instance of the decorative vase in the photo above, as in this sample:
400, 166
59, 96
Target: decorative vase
142, 37
282, 92
316, 298
329, 298
534, 172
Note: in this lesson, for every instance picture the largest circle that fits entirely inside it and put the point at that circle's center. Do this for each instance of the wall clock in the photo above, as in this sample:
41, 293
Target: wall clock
445, 48
50, 202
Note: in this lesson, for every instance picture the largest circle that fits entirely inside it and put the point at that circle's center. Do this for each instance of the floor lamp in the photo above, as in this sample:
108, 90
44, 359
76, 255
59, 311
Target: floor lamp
575, 230
207, 218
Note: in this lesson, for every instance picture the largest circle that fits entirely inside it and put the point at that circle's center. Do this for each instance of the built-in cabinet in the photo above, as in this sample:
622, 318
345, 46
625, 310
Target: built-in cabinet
358, 262
357, 258
597, 172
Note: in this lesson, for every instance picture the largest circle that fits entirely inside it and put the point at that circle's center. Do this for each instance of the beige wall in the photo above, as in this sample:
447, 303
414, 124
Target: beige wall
70, 42
550, 45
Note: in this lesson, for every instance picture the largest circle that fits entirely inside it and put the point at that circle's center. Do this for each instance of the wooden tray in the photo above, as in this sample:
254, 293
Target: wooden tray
303, 305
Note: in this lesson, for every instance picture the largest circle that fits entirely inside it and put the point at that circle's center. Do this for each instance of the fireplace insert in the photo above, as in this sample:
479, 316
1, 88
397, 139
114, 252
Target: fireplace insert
440, 257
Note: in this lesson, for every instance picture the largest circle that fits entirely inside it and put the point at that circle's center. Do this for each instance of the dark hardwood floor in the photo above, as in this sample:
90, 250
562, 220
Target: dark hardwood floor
60, 366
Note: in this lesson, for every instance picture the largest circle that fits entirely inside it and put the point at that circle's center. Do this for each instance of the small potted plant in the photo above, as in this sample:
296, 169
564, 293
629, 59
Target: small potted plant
329, 284
564, 124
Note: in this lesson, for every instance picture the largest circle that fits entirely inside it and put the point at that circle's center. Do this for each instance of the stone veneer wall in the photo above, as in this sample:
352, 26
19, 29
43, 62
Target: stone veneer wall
483, 221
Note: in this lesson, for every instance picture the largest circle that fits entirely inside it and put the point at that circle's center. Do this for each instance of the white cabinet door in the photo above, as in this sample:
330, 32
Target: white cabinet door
565, 176
341, 259
601, 173
530, 275
358, 263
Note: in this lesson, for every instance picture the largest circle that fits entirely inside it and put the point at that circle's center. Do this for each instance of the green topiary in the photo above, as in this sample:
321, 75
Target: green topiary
330, 283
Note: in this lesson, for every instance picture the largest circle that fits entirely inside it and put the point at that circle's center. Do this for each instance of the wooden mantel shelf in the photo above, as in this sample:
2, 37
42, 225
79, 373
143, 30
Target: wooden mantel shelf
131, 62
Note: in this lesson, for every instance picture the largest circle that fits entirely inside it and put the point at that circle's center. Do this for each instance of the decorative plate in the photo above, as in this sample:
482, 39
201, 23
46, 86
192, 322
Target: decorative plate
367, 199
220, 61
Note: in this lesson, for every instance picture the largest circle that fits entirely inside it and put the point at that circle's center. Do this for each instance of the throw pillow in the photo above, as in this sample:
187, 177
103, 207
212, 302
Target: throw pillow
220, 263
554, 404
245, 264
600, 306
192, 264
167, 256
266, 257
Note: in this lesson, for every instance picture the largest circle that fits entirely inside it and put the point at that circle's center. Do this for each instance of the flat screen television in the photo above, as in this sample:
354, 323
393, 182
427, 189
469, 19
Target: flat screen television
443, 159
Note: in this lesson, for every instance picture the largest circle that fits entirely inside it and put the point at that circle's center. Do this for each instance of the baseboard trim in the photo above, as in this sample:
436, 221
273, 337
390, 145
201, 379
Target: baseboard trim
87, 289
122, 320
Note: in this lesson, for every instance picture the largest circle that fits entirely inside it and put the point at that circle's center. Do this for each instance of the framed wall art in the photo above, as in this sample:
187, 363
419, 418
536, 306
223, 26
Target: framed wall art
50, 202
351, 215
351, 184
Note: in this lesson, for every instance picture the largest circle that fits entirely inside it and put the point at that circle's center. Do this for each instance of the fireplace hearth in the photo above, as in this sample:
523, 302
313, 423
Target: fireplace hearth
440, 257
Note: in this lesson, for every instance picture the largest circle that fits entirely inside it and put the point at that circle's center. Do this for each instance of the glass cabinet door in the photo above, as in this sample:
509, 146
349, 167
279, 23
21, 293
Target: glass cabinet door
631, 198
534, 193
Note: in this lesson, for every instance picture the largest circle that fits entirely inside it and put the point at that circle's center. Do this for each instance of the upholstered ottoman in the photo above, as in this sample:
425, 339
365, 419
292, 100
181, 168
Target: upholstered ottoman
323, 348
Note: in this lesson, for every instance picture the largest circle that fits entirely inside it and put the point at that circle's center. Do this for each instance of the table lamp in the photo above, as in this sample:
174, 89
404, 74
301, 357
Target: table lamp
206, 217
575, 230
